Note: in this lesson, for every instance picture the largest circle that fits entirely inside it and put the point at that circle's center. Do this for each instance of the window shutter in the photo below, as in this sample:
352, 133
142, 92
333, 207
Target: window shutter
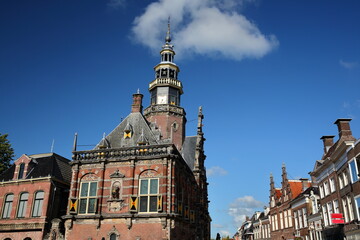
186, 212
133, 203
73, 205
159, 203
180, 208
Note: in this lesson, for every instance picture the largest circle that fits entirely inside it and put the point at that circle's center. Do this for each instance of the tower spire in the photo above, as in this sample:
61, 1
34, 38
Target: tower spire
168, 36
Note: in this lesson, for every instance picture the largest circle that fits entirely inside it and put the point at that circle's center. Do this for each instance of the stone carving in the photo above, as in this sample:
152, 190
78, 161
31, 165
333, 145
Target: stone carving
117, 174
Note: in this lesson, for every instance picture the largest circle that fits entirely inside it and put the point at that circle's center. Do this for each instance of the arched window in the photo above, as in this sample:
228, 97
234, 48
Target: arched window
8, 205
7, 239
22, 205
38, 203
113, 236
21, 171
88, 197
27, 238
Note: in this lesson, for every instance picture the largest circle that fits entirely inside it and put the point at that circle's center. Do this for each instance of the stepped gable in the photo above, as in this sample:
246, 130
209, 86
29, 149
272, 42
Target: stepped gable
129, 131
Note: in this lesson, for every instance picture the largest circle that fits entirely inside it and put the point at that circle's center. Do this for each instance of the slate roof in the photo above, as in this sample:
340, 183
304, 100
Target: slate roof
43, 165
188, 150
138, 126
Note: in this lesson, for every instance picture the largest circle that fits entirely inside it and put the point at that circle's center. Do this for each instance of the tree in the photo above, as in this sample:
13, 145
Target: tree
218, 236
6, 152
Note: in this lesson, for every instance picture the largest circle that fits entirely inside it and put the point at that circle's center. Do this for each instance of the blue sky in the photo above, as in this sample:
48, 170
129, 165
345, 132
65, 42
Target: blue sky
272, 77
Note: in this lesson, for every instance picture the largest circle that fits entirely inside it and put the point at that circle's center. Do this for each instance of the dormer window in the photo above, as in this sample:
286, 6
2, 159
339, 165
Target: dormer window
128, 131
21, 170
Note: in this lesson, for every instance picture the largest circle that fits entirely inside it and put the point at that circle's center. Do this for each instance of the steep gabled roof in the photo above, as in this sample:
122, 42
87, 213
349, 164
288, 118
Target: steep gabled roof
43, 165
296, 187
278, 193
136, 124
188, 151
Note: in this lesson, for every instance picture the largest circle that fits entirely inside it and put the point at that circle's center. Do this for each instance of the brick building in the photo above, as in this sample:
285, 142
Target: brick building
34, 193
281, 214
146, 179
337, 176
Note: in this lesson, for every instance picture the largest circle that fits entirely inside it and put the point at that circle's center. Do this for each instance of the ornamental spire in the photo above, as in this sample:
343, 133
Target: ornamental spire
168, 36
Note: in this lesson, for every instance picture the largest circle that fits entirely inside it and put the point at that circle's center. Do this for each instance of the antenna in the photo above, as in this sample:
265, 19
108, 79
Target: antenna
52, 146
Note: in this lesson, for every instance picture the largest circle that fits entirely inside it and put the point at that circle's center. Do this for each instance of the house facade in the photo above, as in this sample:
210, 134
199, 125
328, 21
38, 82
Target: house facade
33, 194
146, 179
337, 176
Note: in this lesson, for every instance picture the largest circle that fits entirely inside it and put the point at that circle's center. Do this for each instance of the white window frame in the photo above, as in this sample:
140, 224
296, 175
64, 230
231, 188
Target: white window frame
353, 171
149, 196
330, 211
38, 204
326, 188
88, 197
325, 215
346, 177
341, 181
290, 218
357, 204
321, 190
332, 185
305, 217
346, 210
350, 206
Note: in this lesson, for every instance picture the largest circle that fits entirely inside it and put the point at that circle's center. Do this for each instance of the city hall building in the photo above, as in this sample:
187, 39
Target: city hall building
146, 179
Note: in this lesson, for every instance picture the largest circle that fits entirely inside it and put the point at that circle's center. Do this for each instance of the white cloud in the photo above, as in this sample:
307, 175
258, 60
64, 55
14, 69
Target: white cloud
348, 65
205, 27
216, 171
242, 207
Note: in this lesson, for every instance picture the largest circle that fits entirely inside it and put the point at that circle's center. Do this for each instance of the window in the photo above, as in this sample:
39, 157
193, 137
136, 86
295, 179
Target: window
290, 218
38, 203
286, 219
326, 188
8, 205
357, 202
332, 185
149, 189
21, 171
346, 214
336, 206
353, 171
325, 215
113, 236
346, 178
350, 206
296, 220
300, 219
22, 205
305, 217
330, 211
88, 197
321, 188
341, 181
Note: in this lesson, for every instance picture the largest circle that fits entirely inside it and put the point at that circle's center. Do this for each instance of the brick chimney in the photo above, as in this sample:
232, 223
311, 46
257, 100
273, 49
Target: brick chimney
328, 142
343, 125
305, 183
137, 103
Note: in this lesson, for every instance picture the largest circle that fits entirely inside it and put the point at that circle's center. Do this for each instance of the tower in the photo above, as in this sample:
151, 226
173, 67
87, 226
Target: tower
165, 90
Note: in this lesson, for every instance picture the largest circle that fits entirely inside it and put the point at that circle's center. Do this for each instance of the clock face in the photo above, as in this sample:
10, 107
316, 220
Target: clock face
162, 100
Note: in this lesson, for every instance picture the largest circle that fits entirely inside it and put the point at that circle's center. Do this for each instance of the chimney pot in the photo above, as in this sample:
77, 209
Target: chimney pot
343, 125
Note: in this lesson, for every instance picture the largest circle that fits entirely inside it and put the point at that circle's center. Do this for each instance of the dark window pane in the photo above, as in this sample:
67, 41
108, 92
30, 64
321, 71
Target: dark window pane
143, 204
82, 208
93, 187
92, 205
153, 186
153, 204
21, 171
144, 186
113, 236
84, 189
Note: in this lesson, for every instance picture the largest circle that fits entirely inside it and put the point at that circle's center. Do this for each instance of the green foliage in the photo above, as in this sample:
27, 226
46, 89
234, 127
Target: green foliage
6, 152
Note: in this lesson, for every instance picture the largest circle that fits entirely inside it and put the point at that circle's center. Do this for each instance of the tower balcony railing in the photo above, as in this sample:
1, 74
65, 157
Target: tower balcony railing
124, 153
164, 108
165, 81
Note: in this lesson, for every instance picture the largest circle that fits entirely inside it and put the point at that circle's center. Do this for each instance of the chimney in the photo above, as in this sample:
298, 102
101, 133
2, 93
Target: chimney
343, 127
305, 183
137, 103
328, 141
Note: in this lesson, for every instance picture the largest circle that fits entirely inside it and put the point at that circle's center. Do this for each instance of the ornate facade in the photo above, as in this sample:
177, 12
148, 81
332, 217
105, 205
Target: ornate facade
146, 179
